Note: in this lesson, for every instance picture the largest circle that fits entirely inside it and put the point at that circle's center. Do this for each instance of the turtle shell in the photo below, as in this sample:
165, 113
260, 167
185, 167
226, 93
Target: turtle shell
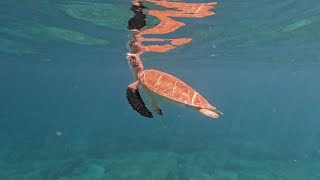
172, 88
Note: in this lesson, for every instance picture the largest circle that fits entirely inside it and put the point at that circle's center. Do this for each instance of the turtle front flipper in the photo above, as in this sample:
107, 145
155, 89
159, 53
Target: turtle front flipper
135, 100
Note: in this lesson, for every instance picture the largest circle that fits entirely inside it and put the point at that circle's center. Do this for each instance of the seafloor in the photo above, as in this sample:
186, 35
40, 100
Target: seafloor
53, 158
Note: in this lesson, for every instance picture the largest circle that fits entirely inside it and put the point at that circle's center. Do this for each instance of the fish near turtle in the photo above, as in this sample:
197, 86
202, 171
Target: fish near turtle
161, 86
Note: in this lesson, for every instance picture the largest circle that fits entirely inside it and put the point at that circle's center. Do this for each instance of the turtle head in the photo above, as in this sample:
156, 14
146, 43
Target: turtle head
135, 64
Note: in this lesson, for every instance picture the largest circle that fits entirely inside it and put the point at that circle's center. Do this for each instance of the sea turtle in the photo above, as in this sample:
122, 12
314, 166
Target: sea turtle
158, 85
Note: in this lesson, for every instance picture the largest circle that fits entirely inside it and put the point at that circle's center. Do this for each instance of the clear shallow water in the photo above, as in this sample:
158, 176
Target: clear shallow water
256, 61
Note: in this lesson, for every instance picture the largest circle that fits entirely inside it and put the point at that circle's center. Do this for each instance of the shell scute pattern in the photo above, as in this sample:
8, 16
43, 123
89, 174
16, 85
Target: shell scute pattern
173, 88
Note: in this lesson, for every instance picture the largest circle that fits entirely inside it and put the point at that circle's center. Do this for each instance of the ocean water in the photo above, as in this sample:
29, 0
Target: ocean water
64, 113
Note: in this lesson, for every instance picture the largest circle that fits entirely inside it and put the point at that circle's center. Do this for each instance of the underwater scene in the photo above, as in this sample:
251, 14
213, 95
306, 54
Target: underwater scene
159, 90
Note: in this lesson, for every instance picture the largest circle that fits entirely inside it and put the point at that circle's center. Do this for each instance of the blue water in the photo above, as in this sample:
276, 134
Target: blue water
257, 61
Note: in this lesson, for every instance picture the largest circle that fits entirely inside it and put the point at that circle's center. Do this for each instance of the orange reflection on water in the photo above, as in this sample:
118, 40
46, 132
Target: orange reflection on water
171, 44
167, 24
187, 10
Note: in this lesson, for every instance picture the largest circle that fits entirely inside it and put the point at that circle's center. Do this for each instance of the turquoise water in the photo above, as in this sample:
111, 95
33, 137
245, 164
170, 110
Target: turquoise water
64, 114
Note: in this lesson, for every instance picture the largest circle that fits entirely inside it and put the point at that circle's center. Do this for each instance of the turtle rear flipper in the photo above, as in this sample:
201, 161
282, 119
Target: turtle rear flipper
135, 100
155, 107
213, 113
